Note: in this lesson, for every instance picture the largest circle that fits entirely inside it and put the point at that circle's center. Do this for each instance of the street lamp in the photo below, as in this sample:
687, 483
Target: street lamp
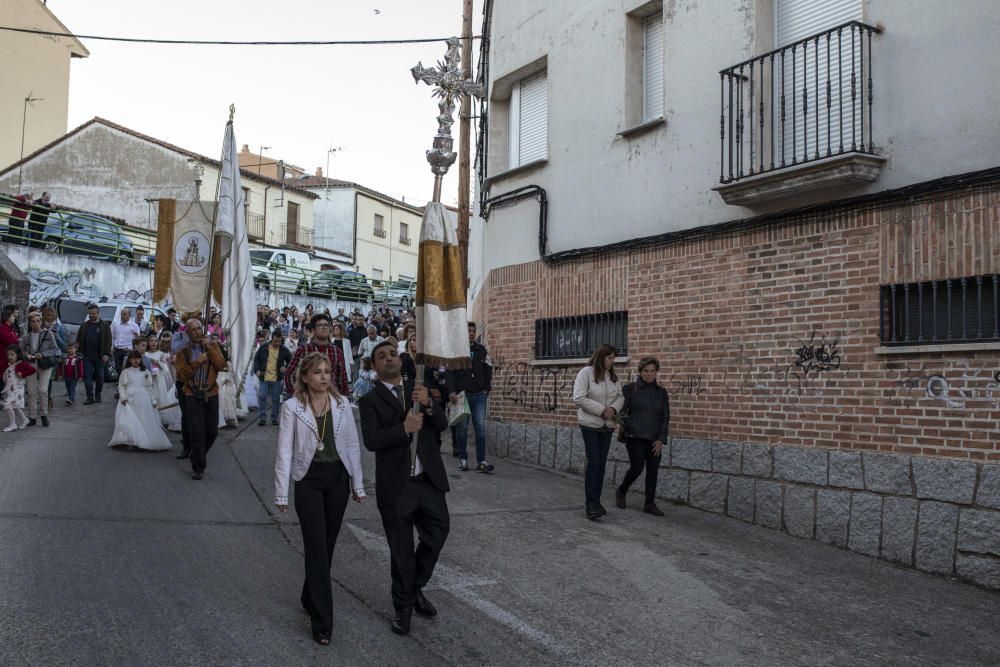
24, 120
326, 193
260, 158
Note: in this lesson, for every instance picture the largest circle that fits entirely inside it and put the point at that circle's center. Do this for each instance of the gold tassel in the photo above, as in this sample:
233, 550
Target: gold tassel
164, 249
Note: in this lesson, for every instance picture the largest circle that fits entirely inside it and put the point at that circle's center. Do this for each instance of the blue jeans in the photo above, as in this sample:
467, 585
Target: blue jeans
477, 406
70, 388
272, 389
596, 445
93, 376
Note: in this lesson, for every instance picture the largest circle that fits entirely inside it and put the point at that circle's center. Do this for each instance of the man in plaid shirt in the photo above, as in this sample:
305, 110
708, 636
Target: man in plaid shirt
321, 325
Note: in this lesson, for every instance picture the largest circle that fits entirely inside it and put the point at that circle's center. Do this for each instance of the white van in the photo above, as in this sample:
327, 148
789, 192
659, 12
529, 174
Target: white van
282, 270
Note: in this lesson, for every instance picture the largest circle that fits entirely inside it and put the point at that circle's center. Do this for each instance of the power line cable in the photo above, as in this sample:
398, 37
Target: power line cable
212, 42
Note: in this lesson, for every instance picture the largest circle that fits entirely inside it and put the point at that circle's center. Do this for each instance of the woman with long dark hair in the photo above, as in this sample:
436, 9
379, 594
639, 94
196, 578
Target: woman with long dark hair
319, 447
598, 398
647, 406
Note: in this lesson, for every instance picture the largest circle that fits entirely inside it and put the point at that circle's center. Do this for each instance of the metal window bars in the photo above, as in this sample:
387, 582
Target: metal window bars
934, 312
577, 337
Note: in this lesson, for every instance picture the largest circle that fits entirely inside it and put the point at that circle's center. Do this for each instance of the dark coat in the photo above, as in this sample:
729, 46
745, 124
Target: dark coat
647, 410
473, 380
260, 360
103, 335
382, 431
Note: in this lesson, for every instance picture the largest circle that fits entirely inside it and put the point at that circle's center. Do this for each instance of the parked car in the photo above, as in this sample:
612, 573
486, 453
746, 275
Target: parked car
281, 270
73, 311
78, 234
397, 292
342, 286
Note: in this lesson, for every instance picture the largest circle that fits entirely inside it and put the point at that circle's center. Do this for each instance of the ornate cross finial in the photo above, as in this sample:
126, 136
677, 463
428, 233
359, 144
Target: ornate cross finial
449, 84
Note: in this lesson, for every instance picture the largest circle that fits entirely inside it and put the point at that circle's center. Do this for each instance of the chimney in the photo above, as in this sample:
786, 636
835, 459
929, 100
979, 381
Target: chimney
246, 148
319, 171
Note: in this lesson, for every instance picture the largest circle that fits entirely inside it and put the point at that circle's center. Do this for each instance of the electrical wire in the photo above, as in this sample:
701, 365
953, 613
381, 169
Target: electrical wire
212, 42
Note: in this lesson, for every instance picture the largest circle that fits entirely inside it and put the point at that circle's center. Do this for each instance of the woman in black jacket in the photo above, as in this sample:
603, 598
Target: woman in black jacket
646, 419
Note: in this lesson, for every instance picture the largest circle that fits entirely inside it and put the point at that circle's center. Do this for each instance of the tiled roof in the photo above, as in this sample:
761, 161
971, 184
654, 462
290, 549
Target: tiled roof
316, 182
244, 173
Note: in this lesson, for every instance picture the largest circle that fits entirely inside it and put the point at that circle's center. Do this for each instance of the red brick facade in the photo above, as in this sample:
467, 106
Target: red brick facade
726, 316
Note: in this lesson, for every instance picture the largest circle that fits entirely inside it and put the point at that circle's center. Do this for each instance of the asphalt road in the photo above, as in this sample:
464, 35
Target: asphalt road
118, 558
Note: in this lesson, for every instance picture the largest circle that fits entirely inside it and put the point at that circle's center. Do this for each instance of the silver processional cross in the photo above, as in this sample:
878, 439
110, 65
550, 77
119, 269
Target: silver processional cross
449, 84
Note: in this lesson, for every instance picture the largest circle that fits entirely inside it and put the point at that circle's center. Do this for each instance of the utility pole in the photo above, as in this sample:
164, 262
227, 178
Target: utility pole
24, 121
464, 147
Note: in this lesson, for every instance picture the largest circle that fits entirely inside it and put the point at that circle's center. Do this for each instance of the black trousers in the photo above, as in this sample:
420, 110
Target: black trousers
203, 426
320, 501
182, 403
119, 355
93, 376
640, 454
420, 506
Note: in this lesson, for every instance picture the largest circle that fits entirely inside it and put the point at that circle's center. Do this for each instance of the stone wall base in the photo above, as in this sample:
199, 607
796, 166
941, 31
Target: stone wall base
936, 515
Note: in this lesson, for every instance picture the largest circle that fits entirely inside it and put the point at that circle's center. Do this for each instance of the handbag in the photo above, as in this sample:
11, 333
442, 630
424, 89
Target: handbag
456, 412
51, 360
624, 414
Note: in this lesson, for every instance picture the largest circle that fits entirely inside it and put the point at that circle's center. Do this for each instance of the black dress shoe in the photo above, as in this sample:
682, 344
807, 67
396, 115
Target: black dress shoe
423, 606
184, 455
31, 422
593, 512
651, 508
600, 508
89, 401
401, 624
45, 421
196, 475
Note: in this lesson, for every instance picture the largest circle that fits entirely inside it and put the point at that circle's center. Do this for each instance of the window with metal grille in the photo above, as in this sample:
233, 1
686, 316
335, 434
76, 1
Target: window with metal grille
578, 337
956, 310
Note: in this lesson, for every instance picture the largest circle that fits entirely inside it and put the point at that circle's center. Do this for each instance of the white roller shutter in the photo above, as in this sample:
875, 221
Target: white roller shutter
528, 132
652, 68
796, 20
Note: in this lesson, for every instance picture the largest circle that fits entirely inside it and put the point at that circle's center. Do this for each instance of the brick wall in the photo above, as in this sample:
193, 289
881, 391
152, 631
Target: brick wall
728, 315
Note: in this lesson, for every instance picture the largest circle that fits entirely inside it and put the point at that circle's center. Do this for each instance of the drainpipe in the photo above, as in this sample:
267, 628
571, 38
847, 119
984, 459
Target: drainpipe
263, 231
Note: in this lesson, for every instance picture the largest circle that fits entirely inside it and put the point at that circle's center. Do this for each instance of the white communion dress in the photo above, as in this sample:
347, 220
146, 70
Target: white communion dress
136, 421
164, 391
227, 400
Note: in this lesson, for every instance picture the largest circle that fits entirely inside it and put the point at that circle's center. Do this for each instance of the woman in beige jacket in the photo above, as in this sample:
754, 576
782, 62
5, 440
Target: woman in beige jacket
598, 397
318, 446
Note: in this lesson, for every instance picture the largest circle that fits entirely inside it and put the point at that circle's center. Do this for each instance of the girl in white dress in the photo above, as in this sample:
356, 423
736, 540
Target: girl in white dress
164, 391
136, 421
227, 399
14, 386
167, 357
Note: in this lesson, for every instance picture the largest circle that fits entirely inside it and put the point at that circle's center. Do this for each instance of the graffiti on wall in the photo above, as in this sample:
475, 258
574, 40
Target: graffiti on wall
806, 372
957, 387
47, 285
533, 388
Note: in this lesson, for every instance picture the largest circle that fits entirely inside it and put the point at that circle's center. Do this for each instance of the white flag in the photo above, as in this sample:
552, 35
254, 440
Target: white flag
239, 315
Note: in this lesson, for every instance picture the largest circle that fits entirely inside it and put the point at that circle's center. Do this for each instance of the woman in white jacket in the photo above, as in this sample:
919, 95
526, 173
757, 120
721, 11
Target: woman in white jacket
598, 396
318, 446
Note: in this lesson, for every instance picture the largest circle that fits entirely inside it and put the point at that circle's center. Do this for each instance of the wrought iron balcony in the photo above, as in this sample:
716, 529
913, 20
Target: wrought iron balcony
380, 233
799, 117
255, 226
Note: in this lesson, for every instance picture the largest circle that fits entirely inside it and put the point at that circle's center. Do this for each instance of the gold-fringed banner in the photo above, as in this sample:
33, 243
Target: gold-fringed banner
164, 249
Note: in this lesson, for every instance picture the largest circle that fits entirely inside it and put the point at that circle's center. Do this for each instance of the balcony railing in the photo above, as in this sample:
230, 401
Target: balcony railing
404, 240
801, 103
255, 226
380, 233
303, 238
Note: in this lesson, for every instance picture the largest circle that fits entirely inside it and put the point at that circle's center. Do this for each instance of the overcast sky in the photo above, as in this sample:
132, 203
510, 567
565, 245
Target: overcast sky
298, 100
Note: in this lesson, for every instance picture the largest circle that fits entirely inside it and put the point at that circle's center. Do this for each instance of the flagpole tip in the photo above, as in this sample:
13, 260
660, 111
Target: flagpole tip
232, 111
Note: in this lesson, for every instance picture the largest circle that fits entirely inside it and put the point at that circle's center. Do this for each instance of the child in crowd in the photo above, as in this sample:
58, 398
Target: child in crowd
72, 371
166, 355
164, 392
13, 389
366, 379
137, 423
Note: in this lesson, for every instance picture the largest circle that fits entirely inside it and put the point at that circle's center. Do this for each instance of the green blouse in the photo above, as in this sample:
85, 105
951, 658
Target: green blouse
324, 425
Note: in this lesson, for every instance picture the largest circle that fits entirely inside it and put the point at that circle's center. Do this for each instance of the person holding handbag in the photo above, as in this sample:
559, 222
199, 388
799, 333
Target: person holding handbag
318, 446
598, 398
42, 352
644, 421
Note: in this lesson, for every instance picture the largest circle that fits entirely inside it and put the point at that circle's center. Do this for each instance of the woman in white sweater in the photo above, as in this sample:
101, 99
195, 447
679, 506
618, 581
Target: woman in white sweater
598, 397
318, 446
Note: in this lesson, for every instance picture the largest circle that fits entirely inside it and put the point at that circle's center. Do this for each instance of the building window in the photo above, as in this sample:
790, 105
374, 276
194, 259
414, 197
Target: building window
578, 337
379, 226
956, 310
652, 67
376, 274
404, 233
528, 120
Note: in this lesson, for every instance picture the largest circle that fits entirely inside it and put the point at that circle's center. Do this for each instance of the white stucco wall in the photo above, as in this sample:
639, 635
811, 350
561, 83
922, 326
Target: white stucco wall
934, 114
333, 219
387, 254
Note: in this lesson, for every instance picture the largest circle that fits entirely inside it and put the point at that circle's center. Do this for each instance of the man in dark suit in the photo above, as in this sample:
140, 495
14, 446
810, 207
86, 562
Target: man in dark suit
410, 480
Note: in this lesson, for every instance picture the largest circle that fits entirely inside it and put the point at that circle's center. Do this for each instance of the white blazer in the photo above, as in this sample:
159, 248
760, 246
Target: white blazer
298, 438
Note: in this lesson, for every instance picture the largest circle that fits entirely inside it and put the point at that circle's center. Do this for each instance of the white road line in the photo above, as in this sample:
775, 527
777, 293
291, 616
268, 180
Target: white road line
460, 584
